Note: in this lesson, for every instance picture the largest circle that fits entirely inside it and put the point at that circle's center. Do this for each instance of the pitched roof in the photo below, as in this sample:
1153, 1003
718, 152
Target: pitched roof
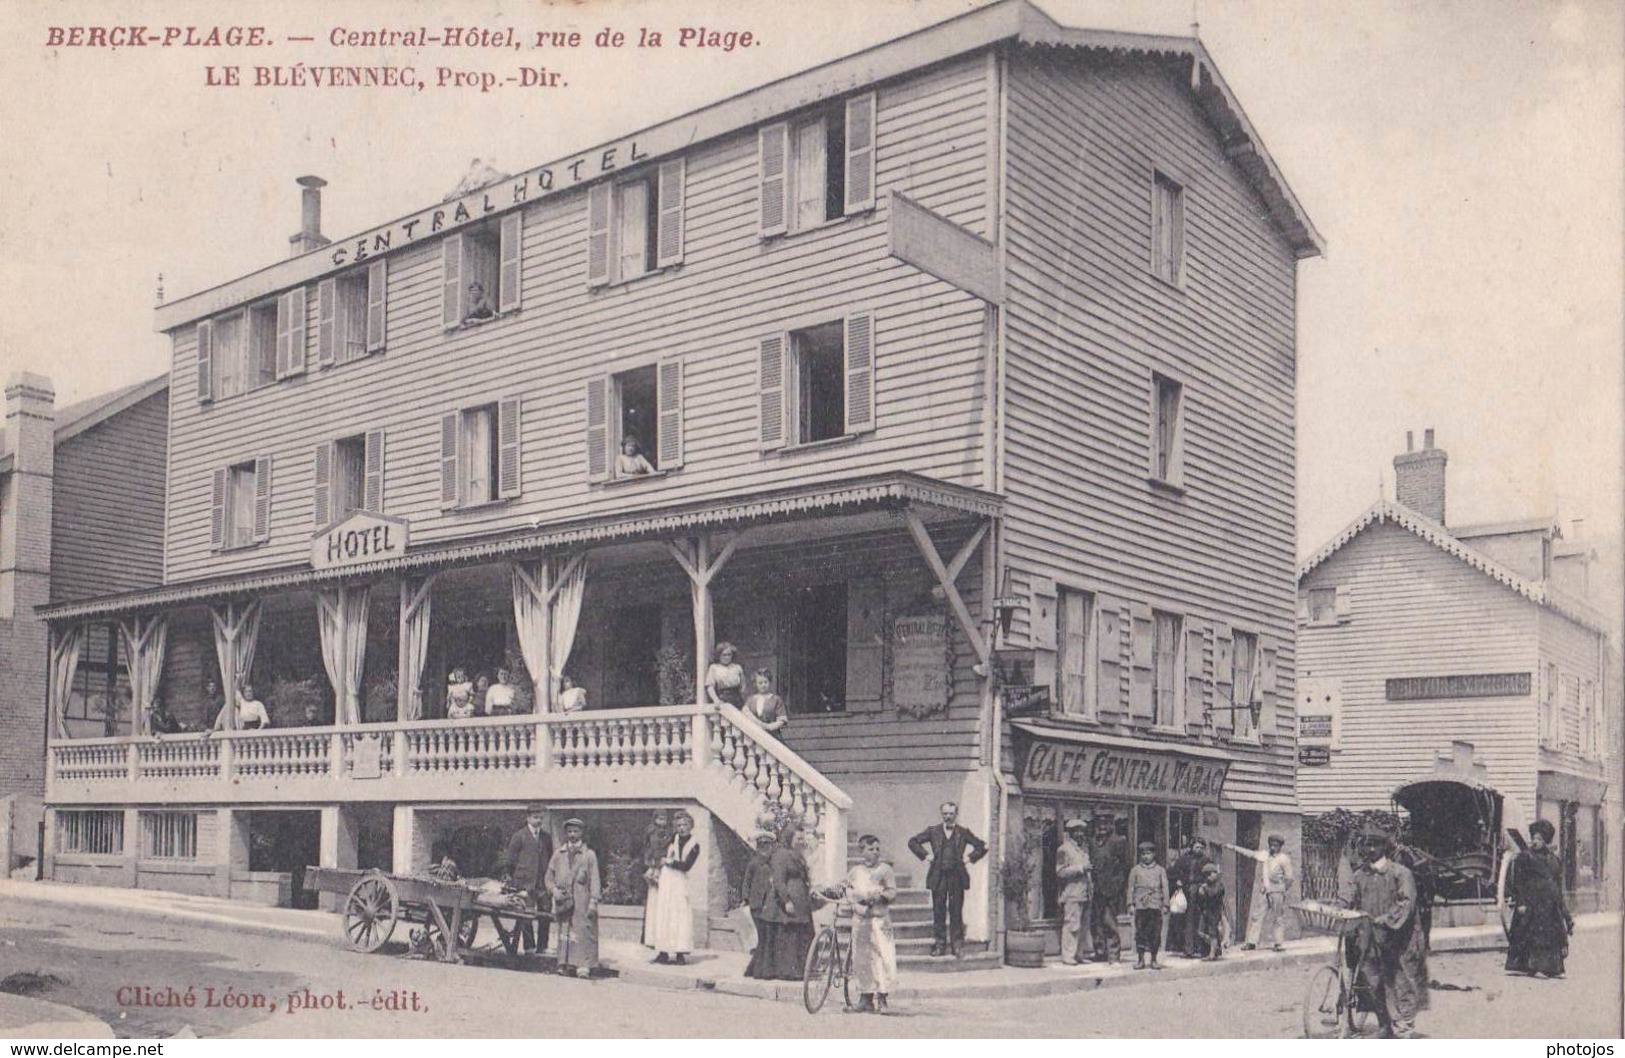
75, 419
1386, 511
1006, 20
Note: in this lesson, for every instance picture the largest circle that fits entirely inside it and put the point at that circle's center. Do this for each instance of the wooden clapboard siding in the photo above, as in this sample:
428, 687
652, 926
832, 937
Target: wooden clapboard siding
1577, 653
1086, 325
107, 516
932, 144
1416, 610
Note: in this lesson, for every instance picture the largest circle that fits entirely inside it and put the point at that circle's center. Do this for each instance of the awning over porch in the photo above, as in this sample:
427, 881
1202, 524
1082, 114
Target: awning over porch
932, 500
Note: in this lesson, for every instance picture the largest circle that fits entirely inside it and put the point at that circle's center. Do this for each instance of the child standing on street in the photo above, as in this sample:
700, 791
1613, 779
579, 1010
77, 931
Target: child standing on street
1148, 896
1209, 899
872, 886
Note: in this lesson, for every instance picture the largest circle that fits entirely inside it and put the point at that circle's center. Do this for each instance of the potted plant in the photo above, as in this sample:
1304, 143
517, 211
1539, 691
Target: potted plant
1023, 945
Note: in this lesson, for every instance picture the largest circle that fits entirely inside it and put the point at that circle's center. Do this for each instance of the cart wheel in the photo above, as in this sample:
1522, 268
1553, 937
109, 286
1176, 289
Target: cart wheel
434, 942
370, 912
819, 974
468, 931
1323, 1005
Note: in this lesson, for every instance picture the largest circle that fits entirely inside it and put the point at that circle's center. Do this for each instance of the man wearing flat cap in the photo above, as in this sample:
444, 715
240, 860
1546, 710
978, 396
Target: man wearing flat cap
573, 880
1108, 852
1395, 960
522, 864
1268, 913
1076, 884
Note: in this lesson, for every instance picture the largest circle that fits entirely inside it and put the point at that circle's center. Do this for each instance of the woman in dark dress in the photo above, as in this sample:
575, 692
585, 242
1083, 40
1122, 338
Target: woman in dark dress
788, 911
1538, 939
756, 890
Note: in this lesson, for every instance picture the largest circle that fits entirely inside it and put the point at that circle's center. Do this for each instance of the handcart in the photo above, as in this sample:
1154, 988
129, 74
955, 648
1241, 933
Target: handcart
447, 912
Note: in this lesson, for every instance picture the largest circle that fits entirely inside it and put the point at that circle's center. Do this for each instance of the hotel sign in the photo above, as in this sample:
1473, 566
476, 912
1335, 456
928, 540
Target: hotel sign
360, 539
1492, 685
1090, 771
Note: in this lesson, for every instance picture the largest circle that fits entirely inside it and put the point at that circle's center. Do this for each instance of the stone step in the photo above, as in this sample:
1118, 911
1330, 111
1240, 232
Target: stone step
980, 960
922, 945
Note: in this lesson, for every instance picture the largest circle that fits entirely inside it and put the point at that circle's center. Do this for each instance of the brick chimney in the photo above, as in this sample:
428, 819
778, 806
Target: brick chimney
310, 235
1419, 477
25, 582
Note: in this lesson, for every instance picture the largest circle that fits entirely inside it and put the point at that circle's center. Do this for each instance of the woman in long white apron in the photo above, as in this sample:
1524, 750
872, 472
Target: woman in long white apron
668, 927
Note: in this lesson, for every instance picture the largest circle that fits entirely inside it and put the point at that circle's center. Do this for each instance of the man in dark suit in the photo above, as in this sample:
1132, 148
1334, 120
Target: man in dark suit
947, 877
523, 866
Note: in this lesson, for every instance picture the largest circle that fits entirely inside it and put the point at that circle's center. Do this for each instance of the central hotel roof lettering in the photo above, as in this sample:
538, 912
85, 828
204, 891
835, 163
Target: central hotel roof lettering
502, 195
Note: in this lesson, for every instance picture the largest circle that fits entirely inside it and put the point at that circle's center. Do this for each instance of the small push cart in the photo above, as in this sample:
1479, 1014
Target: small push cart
447, 913
1336, 1003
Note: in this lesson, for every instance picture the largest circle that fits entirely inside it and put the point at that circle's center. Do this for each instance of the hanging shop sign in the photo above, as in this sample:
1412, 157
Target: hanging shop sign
919, 676
1479, 685
1026, 700
1080, 769
358, 540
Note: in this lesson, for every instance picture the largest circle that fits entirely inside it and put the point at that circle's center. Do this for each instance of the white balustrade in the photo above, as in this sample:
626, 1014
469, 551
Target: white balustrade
629, 739
483, 747
279, 755
91, 762
179, 758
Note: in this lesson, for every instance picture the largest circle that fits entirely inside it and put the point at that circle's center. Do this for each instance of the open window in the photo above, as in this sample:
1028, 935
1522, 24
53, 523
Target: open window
635, 225
241, 504
1166, 635
817, 383
349, 477
1167, 229
1074, 612
480, 272
818, 167
250, 347
635, 422
350, 314
479, 454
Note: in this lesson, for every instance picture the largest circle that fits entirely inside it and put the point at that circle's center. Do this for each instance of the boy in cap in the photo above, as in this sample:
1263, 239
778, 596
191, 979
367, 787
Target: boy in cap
1148, 897
1073, 872
572, 878
1208, 900
1269, 917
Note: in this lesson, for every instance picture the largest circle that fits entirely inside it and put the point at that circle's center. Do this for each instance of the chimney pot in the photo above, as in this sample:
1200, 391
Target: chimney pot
1419, 477
1410, 441
1427, 439
310, 217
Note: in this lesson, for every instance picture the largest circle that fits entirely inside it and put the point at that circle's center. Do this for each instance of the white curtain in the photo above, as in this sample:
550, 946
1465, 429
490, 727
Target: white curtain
236, 629
343, 616
416, 600
566, 614
66, 643
144, 643
531, 622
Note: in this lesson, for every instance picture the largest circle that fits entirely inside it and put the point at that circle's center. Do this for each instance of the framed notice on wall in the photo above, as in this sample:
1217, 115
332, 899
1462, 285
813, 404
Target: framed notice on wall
919, 664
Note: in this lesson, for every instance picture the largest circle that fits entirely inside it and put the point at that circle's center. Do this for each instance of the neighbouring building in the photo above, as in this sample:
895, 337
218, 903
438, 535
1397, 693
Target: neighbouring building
960, 373
81, 514
1421, 641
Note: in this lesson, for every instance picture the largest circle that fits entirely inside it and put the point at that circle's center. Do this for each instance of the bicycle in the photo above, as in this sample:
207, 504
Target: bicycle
829, 960
1332, 1004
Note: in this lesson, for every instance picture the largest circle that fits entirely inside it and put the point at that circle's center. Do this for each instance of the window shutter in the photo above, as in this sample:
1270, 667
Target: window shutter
1141, 641
1042, 619
865, 643
451, 281
860, 372
1109, 652
772, 149
262, 499
509, 257
296, 331
860, 153
377, 298
284, 340
217, 512
448, 461
327, 322
669, 231
598, 215
1176, 454
372, 490
1195, 690
205, 363
508, 448
1224, 676
670, 402
1343, 603
598, 428
322, 492
1268, 681
770, 385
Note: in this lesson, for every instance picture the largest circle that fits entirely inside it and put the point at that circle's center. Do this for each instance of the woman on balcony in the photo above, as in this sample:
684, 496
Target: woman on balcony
669, 925
767, 708
724, 680
459, 695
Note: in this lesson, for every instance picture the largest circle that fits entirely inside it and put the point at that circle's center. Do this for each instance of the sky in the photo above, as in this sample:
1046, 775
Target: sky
1462, 160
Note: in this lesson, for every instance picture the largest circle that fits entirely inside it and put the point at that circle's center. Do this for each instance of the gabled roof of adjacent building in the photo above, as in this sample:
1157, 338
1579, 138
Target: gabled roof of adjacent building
75, 419
1388, 512
1019, 21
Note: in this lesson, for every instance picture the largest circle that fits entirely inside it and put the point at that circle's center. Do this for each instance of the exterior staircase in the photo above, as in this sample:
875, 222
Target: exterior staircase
911, 923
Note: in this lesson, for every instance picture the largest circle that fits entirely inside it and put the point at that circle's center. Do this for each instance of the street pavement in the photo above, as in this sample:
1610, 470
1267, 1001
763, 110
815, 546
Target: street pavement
242, 984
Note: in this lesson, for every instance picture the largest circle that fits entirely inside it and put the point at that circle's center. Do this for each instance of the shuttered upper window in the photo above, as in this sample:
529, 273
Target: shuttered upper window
1167, 229
241, 504
480, 271
635, 226
817, 383
635, 422
1167, 431
349, 315
251, 347
1244, 687
817, 168
480, 454
1165, 647
349, 477
1074, 615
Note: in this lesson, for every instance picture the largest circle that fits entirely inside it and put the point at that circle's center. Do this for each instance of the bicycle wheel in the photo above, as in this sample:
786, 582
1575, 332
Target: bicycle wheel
818, 976
846, 976
1323, 1005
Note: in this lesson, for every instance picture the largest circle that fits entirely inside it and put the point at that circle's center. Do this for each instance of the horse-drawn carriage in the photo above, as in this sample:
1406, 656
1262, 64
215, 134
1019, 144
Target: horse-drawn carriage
1462, 834
446, 913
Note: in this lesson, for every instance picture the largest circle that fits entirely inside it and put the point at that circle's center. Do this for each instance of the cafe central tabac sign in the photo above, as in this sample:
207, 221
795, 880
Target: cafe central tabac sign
1078, 769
